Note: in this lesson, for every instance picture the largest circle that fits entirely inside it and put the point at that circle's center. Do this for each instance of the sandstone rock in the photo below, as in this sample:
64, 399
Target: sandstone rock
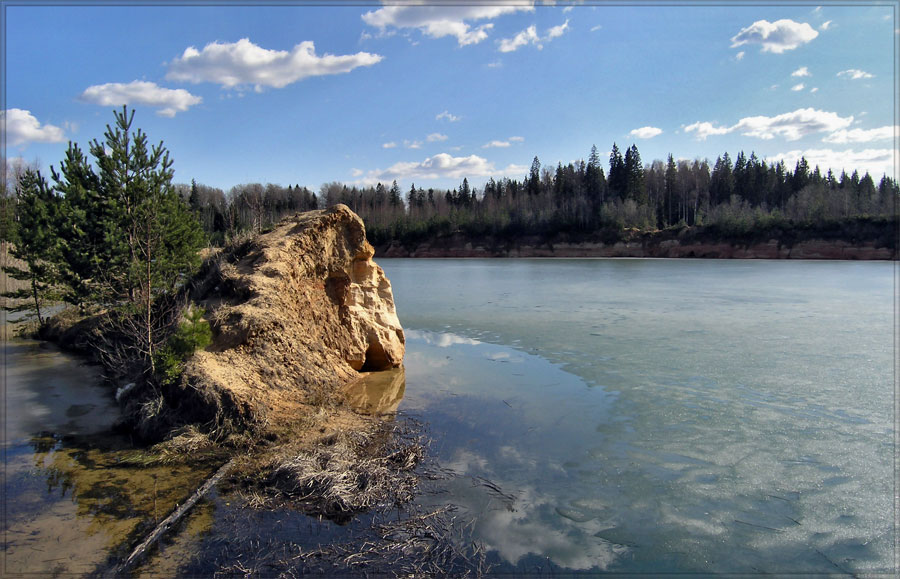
296, 313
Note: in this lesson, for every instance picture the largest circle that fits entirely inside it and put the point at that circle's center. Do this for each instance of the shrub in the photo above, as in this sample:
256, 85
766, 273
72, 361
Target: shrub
193, 334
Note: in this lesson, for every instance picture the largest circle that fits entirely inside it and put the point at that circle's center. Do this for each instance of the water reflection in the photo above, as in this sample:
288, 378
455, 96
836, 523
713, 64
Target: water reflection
585, 478
74, 492
377, 393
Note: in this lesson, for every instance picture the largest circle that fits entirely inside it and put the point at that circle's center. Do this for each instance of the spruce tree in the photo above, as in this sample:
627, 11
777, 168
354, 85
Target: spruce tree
617, 178
634, 175
37, 244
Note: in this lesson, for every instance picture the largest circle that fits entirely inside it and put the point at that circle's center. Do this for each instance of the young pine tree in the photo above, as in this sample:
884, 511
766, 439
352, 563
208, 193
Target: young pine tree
37, 244
129, 240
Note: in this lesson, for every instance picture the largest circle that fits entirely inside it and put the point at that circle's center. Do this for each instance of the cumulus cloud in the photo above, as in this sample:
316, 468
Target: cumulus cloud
440, 20
798, 87
389, 145
498, 144
876, 162
530, 36
435, 137
168, 101
646, 132
855, 74
440, 166
791, 126
776, 37
802, 71
863, 135
706, 129
447, 116
243, 63
825, 25
21, 128
412, 144
740, 55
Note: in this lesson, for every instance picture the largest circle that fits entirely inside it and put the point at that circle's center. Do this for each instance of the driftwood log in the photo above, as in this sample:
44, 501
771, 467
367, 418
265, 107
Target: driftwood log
141, 550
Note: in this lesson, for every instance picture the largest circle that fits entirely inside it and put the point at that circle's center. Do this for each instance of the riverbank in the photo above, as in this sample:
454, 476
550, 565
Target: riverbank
862, 239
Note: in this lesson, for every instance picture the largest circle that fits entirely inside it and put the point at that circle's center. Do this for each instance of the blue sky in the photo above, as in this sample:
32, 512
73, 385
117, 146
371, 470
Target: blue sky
295, 93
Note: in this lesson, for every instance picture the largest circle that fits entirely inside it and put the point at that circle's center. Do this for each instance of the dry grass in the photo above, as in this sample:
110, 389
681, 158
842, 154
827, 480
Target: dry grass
429, 544
375, 471
350, 473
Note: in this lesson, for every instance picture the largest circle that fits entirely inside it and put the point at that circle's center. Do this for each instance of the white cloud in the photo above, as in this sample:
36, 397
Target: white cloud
434, 137
440, 166
530, 36
22, 127
646, 132
390, 145
446, 115
740, 55
876, 162
863, 135
558, 31
814, 89
440, 20
356, 172
412, 144
243, 63
168, 101
791, 126
798, 87
802, 71
527, 36
776, 37
826, 25
596, 28
498, 144
855, 74
706, 129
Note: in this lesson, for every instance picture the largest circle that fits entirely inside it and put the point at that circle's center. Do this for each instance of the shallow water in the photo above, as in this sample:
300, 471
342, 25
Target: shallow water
71, 495
636, 416
651, 415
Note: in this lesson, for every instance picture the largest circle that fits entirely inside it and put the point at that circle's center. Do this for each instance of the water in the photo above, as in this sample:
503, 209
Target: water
72, 495
637, 416
652, 415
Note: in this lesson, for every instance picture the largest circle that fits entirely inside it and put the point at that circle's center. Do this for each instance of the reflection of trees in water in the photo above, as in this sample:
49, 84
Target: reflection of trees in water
109, 489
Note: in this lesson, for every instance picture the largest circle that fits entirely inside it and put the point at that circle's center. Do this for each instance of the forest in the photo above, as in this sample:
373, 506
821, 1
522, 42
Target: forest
732, 196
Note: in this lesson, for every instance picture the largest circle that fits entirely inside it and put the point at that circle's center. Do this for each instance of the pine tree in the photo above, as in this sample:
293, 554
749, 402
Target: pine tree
150, 238
37, 244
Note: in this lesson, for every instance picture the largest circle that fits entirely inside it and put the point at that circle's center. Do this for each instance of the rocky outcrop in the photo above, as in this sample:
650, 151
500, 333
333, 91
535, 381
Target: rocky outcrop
296, 314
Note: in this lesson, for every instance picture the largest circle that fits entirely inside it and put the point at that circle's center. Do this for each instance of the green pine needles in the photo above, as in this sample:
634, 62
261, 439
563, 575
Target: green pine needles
111, 234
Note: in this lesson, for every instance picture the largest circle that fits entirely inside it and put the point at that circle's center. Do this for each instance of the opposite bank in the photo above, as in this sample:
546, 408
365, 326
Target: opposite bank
862, 239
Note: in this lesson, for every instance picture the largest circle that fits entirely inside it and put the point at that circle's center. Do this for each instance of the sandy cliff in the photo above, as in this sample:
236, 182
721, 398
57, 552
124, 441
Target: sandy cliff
296, 313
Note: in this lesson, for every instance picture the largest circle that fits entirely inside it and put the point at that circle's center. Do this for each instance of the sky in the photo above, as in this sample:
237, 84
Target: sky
429, 93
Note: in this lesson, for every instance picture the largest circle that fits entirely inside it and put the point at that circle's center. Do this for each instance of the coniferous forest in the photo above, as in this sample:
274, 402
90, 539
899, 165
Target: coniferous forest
731, 196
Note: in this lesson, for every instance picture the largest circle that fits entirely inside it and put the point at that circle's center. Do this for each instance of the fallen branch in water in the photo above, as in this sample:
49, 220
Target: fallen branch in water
173, 518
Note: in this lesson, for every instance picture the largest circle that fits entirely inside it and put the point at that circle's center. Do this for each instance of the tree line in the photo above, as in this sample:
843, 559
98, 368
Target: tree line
597, 194
584, 197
